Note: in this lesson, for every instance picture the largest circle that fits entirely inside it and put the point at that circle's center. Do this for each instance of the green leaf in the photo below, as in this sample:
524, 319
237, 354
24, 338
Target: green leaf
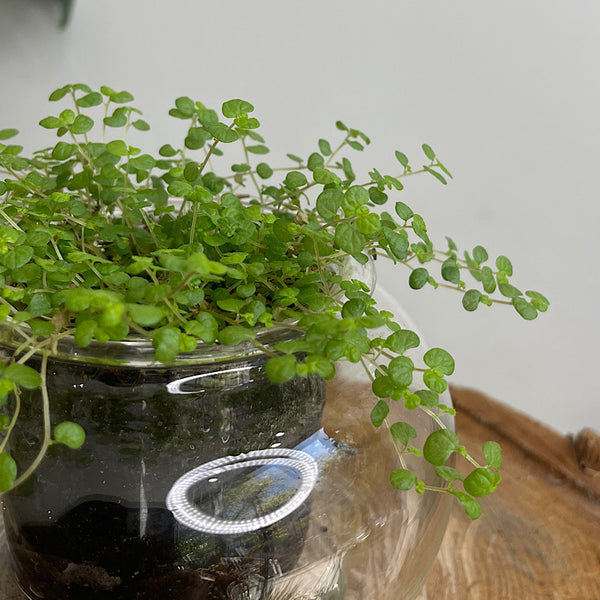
82, 124
22, 375
524, 308
368, 224
8, 471
14, 259
401, 158
470, 506
295, 179
324, 147
324, 176
282, 368
470, 300
450, 271
439, 358
400, 370
258, 149
329, 201
418, 278
481, 482
118, 147
428, 151
354, 198
403, 479
538, 301
121, 97
439, 446
6, 134
488, 281
141, 125
480, 254
349, 239
205, 328
59, 93
40, 304
70, 434
437, 175
264, 171
236, 108
144, 315
185, 106
435, 381
234, 335
398, 242
493, 454
448, 474
63, 151
508, 290
179, 188
504, 265
91, 99
402, 340
143, 161
379, 413
167, 150
166, 343
84, 332
315, 161
403, 432
221, 132
52, 123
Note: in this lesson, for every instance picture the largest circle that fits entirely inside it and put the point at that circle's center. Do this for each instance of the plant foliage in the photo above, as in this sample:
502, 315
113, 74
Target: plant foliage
100, 240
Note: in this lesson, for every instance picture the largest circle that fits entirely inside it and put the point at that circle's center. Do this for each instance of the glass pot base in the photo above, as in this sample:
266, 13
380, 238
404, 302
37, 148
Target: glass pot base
207, 481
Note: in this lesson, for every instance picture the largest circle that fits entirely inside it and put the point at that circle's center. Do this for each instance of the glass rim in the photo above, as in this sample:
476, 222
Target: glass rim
138, 351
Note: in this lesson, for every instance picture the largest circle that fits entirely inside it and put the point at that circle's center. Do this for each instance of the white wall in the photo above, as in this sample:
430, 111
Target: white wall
508, 93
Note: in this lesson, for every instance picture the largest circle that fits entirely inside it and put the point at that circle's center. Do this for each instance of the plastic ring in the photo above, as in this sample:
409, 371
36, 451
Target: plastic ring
188, 514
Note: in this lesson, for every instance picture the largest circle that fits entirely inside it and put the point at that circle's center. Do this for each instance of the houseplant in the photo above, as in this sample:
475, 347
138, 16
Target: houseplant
120, 267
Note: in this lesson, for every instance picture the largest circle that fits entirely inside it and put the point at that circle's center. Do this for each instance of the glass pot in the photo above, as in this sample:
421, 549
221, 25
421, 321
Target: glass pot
204, 480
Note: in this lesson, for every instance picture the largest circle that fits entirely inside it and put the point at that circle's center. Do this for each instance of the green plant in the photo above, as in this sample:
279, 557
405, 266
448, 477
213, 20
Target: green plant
100, 241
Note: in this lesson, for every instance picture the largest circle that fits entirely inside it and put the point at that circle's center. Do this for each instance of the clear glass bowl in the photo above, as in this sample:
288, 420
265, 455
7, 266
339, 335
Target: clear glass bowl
202, 479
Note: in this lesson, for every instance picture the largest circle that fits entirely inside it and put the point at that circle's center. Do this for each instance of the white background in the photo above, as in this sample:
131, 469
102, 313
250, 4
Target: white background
507, 93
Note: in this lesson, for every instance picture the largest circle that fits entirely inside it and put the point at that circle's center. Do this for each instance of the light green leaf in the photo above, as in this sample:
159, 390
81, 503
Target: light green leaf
493, 454
418, 278
280, 369
8, 471
22, 375
70, 434
221, 132
144, 314
439, 446
82, 124
236, 108
403, 432
481, 482
379, 413
403, 479
166, 343
400, 370
439, 358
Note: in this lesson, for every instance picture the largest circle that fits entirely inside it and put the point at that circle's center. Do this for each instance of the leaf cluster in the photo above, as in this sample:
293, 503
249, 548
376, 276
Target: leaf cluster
100, 240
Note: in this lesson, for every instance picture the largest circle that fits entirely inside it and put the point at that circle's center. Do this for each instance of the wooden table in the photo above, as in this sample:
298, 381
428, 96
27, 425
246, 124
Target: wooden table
539, 537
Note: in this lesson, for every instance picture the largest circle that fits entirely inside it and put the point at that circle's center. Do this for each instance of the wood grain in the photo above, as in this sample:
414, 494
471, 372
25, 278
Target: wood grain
539, 537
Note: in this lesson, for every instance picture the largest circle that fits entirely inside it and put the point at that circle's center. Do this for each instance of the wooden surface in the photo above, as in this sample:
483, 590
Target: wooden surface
539, 537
